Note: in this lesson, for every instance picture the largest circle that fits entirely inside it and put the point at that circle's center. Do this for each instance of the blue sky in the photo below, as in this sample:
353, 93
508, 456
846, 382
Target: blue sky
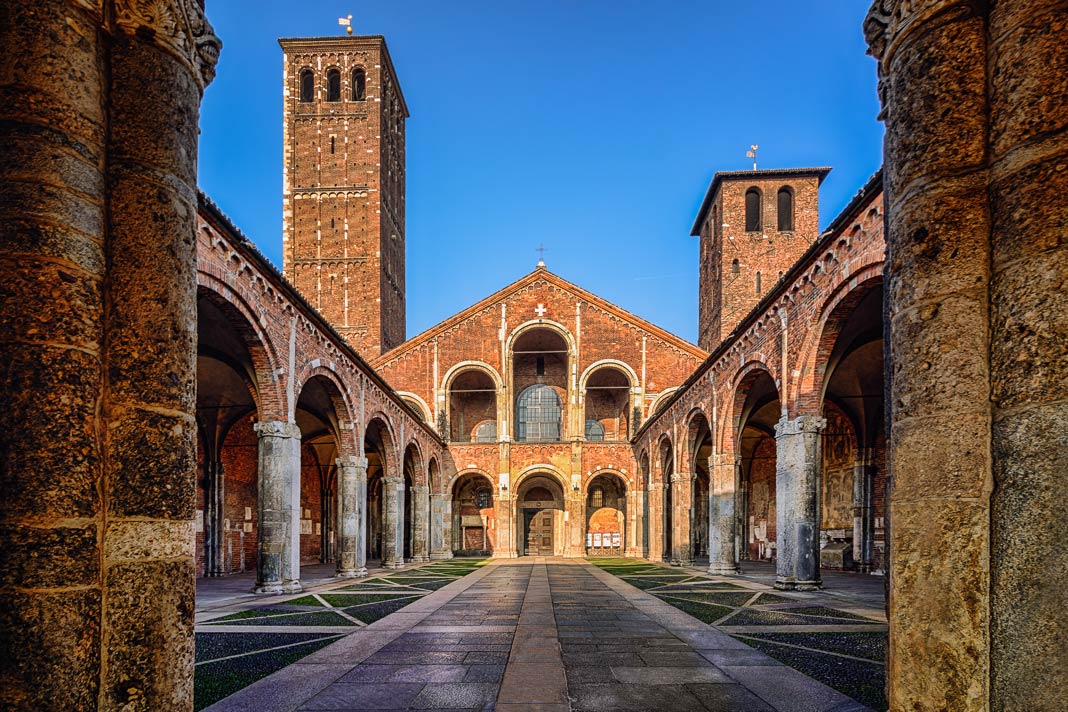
592, 126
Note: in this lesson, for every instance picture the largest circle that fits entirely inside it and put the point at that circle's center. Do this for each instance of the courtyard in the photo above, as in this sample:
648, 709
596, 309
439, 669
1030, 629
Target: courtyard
544, 633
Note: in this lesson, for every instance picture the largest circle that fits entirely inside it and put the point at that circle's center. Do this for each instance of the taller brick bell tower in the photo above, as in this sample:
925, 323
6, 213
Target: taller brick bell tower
753, 225
343, 185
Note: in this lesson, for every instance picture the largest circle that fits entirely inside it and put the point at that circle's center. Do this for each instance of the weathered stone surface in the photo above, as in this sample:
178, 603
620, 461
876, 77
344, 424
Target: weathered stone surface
936, 457
50, 650
1029, 222
152, 468
57, 303
148, 635
139, 540
50, 558
938, 605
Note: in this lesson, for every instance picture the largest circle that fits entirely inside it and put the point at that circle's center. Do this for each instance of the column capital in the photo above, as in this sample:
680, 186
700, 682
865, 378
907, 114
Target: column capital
179, 27
801, 425
276, 429
421, 488
351, 461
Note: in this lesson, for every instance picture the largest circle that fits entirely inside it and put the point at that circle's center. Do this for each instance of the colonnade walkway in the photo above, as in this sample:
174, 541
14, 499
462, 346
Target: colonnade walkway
554, 635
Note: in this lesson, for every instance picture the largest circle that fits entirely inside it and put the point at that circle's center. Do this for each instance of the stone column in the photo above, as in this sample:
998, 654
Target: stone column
797, 502
98, 145
392, 522
421, 524
278, 497
440, 527
681, 494
721, 516
351, 504
863, 510
635, 505
574, 524
976, 270
214, 499
654, 521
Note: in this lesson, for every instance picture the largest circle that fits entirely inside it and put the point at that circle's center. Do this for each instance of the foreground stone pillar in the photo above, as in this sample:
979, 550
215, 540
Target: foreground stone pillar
392, 522
722, 518
976, 271
278, 496
421, 523
797, 473
440, 527
351, 501
681, 493
98, 143
863, 511
654, 521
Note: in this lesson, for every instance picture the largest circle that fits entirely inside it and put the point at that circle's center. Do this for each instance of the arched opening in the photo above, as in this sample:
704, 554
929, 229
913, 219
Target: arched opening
853, 450
753, 218
667, 471
359, 84
472, 407
785, 204
540, 503
472, 515
227, 511
307, 85
378, 445
757, 410
606, 399
419, 407
606, 515
319, 413
701, 449
735, 266
414, 505
539, 380
333, 85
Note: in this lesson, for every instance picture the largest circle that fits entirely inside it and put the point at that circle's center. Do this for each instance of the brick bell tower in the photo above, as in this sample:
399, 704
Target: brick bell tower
753, 225
343, 185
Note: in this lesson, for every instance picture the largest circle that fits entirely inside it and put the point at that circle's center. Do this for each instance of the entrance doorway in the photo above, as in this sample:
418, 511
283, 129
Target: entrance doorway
539, 529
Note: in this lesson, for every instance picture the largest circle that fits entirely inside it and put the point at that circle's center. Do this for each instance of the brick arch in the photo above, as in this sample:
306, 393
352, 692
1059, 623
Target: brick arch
549, 324
645, 475
418, 470
806, 393
389, 440
604, 472
472, 365
343, 409
661, 442
467, 472
433, 475
618, 365
694, 420
266, 392
741, 384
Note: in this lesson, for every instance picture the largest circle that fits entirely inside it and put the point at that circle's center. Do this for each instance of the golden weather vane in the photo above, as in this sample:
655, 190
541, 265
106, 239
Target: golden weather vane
346, 22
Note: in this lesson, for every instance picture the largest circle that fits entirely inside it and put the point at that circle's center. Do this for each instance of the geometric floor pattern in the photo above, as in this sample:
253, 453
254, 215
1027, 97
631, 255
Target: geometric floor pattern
235, 650
811, 633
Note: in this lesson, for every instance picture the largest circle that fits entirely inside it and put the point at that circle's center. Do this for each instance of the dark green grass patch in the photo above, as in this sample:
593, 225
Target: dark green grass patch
767, 599
211, 646
860, 680
706, 612
299, 619
344, 600
432, 585
372, 612
255, 613
759, 616
830, 613
214, 681
871, 646
734, 599
649, 582
305, 601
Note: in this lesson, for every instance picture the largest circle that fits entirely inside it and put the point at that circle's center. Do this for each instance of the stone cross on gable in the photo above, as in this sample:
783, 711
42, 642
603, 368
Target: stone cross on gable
540, 311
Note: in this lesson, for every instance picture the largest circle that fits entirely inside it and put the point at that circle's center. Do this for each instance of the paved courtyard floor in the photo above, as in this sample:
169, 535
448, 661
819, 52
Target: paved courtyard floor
547, 635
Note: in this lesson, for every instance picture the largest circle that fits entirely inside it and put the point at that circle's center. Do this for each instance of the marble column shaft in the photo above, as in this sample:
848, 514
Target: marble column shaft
278, 498
392, 522
351, 516
797, 502
681, 494
722, 516
421, 523
440, 527
863, 512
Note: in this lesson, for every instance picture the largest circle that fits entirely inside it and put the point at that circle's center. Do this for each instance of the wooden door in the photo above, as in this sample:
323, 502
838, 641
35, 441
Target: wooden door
540, 534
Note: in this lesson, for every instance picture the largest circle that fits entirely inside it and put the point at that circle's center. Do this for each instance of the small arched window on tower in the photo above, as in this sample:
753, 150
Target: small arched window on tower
786, 209
359, 84
735, 267
307, 85
758, 284
333, 85
752, 210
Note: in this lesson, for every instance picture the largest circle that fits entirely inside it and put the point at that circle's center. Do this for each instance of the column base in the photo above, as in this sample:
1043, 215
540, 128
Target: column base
785, 584
348, 573
419, 559
292, 587
505, 555
722, 569
267, 589
815, 585
395, 564
440, 555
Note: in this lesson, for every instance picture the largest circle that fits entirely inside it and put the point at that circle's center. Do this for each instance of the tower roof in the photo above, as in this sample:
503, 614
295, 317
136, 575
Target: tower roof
722, 176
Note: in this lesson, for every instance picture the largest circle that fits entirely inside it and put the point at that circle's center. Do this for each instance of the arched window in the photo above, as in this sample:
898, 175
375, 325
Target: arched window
359, 84
539, 414
752, 210
786, 209
735, 268
484, 499
333, 85
594, 431
597, 497
307, 85
758, 284
486, 432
